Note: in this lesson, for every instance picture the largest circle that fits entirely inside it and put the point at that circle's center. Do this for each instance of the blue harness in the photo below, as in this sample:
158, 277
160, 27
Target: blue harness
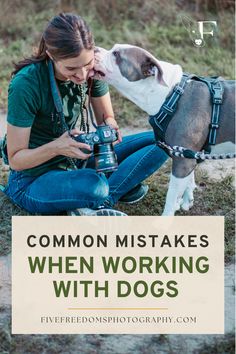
161, 120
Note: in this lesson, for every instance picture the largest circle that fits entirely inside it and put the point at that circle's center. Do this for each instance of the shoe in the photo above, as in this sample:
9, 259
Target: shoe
135, 194
98, 212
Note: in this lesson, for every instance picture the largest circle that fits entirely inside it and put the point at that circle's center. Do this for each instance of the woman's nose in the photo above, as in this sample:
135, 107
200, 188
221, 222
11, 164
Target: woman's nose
91, 73
82, 73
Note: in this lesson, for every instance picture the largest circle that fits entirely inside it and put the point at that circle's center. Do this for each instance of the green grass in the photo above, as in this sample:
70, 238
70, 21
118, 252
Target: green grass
152, 25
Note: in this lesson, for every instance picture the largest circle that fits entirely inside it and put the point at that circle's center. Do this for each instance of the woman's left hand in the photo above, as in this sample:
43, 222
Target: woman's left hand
113, 124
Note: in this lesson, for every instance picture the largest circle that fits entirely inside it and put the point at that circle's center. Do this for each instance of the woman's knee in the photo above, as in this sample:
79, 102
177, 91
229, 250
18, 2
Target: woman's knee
95, 188
100, 188
86, 189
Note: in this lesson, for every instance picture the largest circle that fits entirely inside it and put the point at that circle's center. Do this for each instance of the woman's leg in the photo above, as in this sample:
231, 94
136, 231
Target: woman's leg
58, 190
138, 158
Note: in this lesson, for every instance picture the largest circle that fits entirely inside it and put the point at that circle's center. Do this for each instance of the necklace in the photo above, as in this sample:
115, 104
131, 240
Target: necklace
82, 108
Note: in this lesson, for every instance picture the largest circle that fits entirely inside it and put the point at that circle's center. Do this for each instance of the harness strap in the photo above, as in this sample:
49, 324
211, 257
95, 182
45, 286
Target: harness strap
216, 90
217, 98
164, 116
161, 120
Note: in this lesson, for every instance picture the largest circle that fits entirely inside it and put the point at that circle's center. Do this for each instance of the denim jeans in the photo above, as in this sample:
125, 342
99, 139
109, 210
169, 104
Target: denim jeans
59, 190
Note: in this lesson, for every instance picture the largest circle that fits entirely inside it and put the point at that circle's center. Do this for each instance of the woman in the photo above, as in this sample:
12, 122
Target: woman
41, 150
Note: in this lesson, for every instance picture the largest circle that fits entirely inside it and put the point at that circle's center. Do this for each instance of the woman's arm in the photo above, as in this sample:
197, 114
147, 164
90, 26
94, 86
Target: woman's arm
21, 157
102, 108
103, 111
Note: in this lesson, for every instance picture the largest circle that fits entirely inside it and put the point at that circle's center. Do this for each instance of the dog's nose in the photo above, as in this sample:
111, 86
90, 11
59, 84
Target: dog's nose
91, 73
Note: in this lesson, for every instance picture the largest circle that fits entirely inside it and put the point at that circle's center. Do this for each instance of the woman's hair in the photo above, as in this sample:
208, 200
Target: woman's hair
64, 37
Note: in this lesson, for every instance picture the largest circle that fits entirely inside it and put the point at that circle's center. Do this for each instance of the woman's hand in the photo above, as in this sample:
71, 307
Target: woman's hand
65, 145
113, 124
21, 157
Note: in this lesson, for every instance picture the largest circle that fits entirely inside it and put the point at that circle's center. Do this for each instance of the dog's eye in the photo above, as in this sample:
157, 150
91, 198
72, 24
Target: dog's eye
116, 54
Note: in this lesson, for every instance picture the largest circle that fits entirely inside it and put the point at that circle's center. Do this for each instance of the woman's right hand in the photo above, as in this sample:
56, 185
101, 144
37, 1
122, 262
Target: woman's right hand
65, 145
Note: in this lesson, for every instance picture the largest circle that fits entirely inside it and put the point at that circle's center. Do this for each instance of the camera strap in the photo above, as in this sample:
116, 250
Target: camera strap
59, 108
56, 95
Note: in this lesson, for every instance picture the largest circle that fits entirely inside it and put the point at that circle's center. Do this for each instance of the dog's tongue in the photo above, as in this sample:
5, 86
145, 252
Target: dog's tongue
96, 74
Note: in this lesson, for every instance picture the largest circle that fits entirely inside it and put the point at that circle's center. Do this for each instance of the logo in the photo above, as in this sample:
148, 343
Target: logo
197, 30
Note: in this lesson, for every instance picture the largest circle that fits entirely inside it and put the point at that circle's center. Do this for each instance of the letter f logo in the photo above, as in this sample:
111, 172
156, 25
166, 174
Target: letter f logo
198, 29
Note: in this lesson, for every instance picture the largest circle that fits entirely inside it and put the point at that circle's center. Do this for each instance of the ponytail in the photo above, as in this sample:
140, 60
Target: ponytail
38, 57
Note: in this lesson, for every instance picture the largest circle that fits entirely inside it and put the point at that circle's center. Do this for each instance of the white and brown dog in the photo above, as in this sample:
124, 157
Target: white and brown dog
147, 82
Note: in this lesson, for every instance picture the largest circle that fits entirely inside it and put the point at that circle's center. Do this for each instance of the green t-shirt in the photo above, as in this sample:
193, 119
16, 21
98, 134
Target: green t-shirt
30, 104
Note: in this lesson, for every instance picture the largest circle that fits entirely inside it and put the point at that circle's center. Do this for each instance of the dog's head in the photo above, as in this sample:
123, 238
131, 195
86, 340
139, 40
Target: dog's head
137, 75
125, 62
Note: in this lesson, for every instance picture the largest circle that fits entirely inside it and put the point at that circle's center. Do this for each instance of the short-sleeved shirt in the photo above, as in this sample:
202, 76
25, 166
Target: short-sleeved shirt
30, 104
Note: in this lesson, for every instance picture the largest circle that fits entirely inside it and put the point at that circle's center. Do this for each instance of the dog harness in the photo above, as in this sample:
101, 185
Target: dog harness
161, 120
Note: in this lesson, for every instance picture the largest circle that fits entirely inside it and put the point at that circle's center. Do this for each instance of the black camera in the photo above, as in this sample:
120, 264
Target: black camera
100, 142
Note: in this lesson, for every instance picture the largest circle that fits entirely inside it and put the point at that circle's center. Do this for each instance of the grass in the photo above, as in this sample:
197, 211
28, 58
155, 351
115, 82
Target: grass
220, 347
139, 24
97, 344
208, 201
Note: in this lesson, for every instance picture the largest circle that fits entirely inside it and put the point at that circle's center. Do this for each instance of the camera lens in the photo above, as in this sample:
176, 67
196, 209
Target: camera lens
105, 158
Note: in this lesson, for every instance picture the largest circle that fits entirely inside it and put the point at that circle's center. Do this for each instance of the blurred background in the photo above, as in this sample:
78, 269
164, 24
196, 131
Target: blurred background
155, 25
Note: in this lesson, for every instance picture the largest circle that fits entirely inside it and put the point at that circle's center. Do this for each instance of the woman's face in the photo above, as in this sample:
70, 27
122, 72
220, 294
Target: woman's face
77, 69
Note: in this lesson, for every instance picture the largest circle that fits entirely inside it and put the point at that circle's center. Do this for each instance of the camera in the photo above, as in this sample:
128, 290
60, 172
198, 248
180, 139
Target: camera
100, 142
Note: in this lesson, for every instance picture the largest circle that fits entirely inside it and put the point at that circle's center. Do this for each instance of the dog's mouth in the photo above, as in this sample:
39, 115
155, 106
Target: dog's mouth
98, 74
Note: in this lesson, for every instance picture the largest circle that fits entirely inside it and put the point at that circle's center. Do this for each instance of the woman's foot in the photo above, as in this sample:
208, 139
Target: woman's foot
135, 194
98, 212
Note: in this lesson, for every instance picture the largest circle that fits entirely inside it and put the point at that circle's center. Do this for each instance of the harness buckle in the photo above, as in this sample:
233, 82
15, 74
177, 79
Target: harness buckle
178, 89
217, 100
214, 126
217, 91
167, 109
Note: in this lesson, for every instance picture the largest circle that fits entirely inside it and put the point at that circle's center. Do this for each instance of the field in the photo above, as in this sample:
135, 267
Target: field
158, 27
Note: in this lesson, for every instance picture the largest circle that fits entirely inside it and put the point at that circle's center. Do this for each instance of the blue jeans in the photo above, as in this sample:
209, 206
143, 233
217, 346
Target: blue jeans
59, 190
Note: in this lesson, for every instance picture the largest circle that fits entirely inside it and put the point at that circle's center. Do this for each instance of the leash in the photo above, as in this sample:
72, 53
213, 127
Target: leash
180, 151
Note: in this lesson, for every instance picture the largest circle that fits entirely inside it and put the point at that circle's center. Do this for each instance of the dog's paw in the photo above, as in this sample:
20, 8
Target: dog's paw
178, 204
187, 200
187, 205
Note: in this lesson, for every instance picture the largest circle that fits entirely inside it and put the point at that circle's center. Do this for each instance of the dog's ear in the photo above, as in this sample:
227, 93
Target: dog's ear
151, 67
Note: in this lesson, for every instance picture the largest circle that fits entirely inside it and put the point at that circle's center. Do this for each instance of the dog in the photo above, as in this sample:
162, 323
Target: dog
147, 81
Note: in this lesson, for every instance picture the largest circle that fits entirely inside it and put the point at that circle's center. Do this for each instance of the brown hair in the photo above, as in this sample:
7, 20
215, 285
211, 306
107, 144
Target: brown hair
64, 37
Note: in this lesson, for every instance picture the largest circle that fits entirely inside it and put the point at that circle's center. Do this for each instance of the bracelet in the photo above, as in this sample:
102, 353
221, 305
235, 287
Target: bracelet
106, 117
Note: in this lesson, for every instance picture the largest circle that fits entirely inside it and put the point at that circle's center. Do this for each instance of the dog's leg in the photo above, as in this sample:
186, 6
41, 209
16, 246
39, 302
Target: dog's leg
187, 201
177, 188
